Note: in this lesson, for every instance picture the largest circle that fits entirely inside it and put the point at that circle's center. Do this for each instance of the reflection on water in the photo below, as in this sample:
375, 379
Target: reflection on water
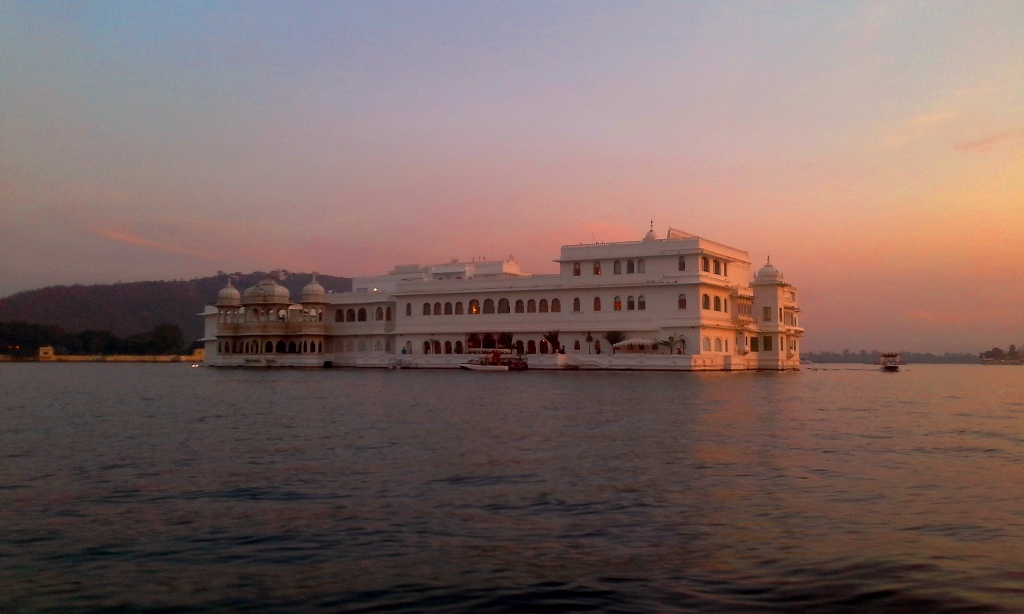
145, 487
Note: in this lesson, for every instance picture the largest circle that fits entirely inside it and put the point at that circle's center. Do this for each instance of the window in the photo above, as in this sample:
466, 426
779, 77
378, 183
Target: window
556, 306
361, 315
780, 314
531, 306
725, 305
630, 267
448, 309
543, 346
725, 271
767, 344
706, 344
488, 305
350, 315
426, 309
767, 314
576, 304
520, 306
705, 264
437, 346
503, 306
387, 314
542, 306
576, 345
408, 309
458, 308
437, 309
718, 268
718, 344
597, 267
339, 316
682, 263
597, 303
641, 303
682, 301
705, 302
755, 344
726, 345
474, 307
718, 304
640, 266
617, 267
617, 303
458, 347
378, 315
630, 303
426, 347
447, 347
531, 347
575, 269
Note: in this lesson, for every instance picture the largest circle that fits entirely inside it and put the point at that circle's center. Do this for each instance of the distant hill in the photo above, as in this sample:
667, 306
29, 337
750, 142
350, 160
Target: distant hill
136, 307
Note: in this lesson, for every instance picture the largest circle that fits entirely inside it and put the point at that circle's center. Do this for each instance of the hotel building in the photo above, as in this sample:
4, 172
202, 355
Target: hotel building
680, 302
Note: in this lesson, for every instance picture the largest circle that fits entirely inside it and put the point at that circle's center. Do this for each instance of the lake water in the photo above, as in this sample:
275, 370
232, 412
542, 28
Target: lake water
160, 487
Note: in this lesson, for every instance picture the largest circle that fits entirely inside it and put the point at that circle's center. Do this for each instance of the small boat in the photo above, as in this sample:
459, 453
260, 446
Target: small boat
482, 366
495, 361
890, 361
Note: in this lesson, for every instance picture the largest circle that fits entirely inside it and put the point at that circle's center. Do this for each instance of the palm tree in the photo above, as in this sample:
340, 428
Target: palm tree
671, 342
552, 338
505, 341
613, 337
590, 340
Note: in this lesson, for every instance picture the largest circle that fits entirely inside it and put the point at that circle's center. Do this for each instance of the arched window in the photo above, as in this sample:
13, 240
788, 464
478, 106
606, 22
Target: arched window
269, 349
706, 344
597, 267
576, 346
576, 304
426, 347
556, 306
682, 301
725, 271
682, 263
531, 306
630, 267
705, 264
640, 266
447, 347
292, 349
361, 315
448, 310
718, 268
474, 307
630, 303
543, 346
437, 309
426, 309
387, 314
408, 309
339, 316
597, 303
617, 267
531, 347
458, 308
490, 342
542, 306
488, 305
350, 315
379, 314
280, 349
617, 304
705, 302
718, 344
503, 306
520, 306
718, 304
436, 346
576, 269
641, 303
458, 347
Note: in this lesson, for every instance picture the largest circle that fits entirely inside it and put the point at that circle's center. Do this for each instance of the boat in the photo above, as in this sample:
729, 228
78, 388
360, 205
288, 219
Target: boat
890, 361
495, 361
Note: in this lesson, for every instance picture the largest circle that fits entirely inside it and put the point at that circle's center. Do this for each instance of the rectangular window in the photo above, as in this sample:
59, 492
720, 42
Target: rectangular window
767, 314
767, 344
755, 344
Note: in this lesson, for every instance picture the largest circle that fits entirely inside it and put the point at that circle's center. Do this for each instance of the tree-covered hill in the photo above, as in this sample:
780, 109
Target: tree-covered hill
131, 308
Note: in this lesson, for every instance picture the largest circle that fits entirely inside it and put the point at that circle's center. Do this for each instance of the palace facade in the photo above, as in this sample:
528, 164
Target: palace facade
676, 303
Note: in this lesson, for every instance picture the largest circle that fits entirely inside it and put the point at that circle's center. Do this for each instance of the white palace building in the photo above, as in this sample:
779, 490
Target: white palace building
677, 303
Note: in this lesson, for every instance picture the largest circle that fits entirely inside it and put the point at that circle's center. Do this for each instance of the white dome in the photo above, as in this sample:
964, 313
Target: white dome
313, 292
267, 291
650, 236
768, 273
228, 296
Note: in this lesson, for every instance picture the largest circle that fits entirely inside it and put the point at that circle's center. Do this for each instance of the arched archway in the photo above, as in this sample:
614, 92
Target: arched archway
490, 342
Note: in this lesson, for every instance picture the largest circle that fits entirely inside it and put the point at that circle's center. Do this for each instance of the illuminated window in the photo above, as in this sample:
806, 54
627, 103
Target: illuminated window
474, 307
597, 267
617, 304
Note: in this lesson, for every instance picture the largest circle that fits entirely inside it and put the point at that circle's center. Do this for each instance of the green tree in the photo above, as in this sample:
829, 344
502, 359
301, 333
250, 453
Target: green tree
671, 342
552, 337
613, 337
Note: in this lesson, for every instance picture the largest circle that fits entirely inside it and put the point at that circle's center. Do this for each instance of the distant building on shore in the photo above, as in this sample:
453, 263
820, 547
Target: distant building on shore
680, 302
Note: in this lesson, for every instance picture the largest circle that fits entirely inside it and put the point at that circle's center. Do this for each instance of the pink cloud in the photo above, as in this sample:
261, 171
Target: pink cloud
137, 241
989, 142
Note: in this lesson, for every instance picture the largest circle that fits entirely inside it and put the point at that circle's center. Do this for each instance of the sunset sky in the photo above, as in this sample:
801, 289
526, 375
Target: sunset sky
875, 150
